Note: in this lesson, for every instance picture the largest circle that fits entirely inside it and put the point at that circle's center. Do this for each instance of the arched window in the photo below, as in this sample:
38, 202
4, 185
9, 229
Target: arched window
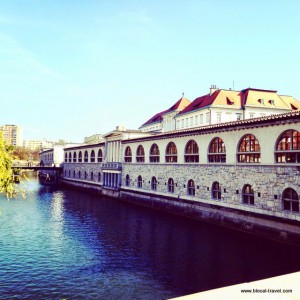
74, 174
66, 157
80, 156
217, 151
65, 173
99, 176
92, 176
74, 157
70, 157
79, 174
170, 185
191, 152
69, 173
140, 154
85, 175
93, 158
248, 150
154, 153
127, 180
191, 187
154, 183
171, 153
288, 147
128, 154
290, 200
248, 195
86, 156
140, 182
216, 191
100, 156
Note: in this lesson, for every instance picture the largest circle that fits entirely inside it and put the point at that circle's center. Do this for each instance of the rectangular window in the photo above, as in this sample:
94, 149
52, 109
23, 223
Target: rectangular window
207, 118
251, 116
238, 116
186, 122
196, 120
219, 118
182, 123
191, 121
201, 119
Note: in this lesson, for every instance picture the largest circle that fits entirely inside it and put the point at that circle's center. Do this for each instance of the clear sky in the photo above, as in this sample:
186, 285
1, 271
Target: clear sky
73, 68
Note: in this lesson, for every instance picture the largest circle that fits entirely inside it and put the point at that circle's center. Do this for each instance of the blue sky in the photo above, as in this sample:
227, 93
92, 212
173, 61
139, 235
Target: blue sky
73, 68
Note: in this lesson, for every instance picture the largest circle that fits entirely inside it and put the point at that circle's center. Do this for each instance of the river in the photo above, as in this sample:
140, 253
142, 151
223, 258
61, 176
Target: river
65, 244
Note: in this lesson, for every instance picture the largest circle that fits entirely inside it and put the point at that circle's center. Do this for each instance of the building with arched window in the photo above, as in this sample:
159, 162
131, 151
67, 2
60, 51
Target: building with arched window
243, 173
171, 185
288, 147
171, 153
140, 154
248, 149
154, 154
249, 166
191, 154
217, 151
191, 187
154, 183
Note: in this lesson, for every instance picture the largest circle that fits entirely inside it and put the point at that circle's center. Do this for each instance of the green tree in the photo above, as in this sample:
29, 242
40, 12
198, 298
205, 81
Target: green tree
6, 173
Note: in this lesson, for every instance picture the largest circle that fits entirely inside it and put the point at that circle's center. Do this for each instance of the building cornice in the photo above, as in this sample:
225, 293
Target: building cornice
85, 146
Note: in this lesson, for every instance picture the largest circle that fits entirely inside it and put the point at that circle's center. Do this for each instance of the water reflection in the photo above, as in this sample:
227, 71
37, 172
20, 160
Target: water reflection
66, 244
184, 255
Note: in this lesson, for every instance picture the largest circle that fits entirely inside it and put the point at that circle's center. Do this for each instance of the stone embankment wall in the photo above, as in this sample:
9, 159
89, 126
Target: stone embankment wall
268, 182
265, 218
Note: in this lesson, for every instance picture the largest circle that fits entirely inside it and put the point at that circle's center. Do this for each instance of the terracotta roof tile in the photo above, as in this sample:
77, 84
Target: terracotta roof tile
179, 105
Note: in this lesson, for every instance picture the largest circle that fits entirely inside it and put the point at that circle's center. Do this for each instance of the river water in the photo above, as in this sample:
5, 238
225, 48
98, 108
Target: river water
64, 244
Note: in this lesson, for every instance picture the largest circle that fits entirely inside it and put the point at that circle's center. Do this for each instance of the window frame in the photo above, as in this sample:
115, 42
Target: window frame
290, 201
154, 154
248, 196
93, 156
191, 152
128, 155
191, 188
216, 192
140, 154
100, 156
140, 182
171, 156
287, 149
216, 151
171, 185
251, 152
86, 156
154, 183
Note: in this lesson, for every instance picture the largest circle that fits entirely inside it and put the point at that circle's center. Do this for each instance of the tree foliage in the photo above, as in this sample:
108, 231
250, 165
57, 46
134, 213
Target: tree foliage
22, 153
6, 173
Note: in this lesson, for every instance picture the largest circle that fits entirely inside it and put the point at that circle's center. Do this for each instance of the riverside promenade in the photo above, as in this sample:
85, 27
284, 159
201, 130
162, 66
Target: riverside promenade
285, 287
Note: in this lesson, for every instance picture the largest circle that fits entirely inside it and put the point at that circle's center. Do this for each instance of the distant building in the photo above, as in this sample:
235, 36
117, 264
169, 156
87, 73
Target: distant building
37, 145
12, 134
93, 139
220, 106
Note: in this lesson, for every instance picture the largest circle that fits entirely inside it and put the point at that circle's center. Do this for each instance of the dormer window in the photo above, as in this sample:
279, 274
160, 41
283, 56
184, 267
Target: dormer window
261, 101
229, 102
272, 102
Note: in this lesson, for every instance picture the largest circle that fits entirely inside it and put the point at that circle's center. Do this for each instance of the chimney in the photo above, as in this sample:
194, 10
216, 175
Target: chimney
213, 88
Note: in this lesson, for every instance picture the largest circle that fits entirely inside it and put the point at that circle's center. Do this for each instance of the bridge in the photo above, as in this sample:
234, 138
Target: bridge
47, 175
36, 168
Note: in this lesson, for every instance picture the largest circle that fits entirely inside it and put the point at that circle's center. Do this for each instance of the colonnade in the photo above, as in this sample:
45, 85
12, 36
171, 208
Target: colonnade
111, 180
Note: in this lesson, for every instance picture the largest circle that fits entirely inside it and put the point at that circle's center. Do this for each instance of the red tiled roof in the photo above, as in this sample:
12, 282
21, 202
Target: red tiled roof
201, 102
156, 118
159, 116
